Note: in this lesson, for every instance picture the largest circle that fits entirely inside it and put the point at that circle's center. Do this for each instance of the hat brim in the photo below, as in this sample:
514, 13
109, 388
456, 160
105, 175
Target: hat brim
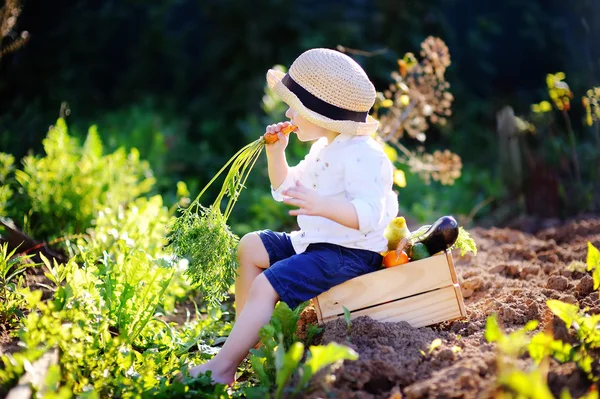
346, 127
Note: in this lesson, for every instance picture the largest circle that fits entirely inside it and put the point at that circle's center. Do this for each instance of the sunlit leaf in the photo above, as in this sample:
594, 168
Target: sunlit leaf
436, 343
323, 356
593, 257
492, 329
565, 311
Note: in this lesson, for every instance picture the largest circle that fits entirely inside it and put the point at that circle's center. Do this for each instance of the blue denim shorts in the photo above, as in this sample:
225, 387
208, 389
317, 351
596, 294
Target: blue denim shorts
300, 277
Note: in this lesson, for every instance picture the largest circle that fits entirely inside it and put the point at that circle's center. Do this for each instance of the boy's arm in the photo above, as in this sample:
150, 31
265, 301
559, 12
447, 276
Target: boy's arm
341, 211
278, 168
309, 202
281, 175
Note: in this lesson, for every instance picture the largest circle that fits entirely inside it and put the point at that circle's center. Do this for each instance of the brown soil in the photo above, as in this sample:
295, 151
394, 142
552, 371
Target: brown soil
513, 275
8, 343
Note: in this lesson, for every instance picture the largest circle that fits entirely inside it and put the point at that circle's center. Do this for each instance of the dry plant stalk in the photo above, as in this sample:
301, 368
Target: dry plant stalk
419, 97
10, 39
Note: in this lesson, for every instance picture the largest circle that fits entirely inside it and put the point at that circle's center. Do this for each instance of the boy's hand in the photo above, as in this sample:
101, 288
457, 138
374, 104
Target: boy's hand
280, 145
307, 200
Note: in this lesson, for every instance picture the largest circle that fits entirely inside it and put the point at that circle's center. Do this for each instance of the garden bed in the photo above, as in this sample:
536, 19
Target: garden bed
513, 275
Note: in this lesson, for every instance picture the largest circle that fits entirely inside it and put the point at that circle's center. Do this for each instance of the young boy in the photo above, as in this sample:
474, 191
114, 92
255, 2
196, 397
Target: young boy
342, 191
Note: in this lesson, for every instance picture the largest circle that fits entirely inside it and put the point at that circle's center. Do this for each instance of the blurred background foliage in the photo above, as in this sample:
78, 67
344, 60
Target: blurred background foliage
183, 81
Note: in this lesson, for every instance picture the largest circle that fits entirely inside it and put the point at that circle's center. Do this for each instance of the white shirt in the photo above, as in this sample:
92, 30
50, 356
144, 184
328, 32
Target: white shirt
354, 168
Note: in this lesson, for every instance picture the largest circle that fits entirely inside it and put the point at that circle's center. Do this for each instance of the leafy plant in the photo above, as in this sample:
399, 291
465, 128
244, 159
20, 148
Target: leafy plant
530, 384
279, 357
559, 147
278, 361
587, 330
464, 242
11, 268
593, 264
6, 168
64, 191
101, 318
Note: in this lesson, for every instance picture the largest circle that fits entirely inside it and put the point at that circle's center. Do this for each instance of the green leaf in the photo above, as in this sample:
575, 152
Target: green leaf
290, 362
528, 385
539, 346
531, 325
436, 343
565, 311
258, 364
593, 263
596, 277
92, 146
492, 329
323, 356
285, 322
346, 316
464, 242
313, 331
593, 257
564, 394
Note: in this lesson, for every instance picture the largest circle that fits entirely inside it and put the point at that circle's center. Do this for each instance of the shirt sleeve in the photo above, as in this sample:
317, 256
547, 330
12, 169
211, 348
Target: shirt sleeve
295, 173
368, 178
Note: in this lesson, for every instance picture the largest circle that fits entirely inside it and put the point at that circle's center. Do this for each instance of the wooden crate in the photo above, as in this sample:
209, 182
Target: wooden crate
422, 293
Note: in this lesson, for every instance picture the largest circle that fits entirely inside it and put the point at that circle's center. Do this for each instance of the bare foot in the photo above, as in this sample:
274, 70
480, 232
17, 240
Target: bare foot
217, 376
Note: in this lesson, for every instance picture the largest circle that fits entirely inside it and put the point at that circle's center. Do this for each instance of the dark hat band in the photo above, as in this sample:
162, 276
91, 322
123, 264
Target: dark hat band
321, 107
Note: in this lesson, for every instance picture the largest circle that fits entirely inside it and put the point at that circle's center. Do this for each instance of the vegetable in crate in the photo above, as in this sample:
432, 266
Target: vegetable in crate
418, 251
395, 258
395, 231
201, 235
439, 236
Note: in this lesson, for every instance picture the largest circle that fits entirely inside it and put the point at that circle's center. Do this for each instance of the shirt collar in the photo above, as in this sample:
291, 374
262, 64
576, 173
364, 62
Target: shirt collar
340, 138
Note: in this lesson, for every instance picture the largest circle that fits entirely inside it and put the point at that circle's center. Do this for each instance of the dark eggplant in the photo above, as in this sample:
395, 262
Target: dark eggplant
441, 235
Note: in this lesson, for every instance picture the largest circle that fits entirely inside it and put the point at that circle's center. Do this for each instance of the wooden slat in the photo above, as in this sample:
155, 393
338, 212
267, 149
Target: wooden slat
459, 297
419, 311
460, 300
318, 309
451, 267
386, 285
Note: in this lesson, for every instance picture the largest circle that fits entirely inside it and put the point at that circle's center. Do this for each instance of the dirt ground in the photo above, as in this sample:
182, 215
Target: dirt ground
513, 275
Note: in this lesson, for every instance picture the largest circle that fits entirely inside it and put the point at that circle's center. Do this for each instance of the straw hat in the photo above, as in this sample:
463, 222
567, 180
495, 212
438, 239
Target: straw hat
329, 89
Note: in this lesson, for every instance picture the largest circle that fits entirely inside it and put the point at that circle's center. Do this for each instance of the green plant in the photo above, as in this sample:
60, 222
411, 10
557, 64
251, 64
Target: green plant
6, 168
593, 264
101, 317
278, 361
465, 243
532, 382
525, 384
347, 317
587, 332
11, 281
558, 146
64, 191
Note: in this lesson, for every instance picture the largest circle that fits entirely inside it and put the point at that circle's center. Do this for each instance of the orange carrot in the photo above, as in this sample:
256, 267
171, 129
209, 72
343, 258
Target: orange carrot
270, 138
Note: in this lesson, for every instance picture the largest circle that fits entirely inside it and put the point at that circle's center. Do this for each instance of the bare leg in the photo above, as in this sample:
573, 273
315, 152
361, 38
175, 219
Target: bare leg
253, 259
244, 335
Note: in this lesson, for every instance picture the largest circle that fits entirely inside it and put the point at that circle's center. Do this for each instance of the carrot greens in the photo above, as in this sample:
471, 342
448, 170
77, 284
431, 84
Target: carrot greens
201, 235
